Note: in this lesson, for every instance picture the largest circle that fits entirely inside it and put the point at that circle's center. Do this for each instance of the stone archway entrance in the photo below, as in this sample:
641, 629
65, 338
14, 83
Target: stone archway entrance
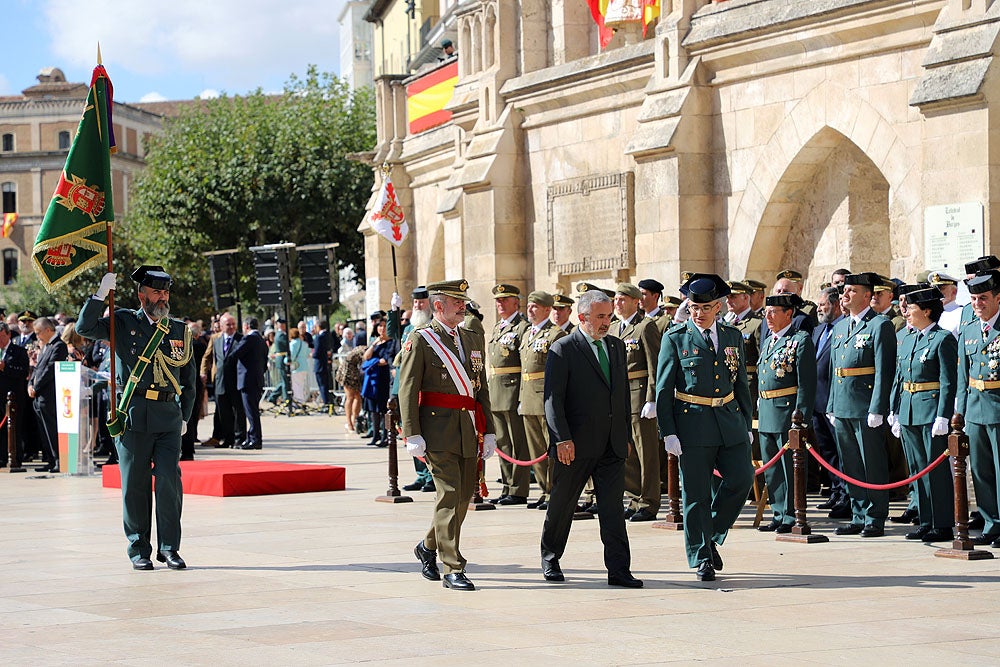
829, 209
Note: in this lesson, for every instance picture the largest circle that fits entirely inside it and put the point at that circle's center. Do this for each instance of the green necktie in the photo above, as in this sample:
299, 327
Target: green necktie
602, 357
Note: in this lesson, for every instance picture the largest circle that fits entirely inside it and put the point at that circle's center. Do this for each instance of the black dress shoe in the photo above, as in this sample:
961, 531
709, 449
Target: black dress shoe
629, 513
705, 571
828, 504
849, 529
250, 445
428, 559
716, 558
544, 505
225, 445
840, 512
938, 535
172, 559
906, 517
512, 500
534, 504
643, 515
591, 508
976, 521
981, 540
770, 527
142, 564
551, 571
415, 486
429, 487
872, 531
624, 580
458, 581
784, 528
995, 543
919, 533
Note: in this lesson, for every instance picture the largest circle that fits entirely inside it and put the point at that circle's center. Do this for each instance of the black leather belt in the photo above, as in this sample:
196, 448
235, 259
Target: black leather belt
155, 395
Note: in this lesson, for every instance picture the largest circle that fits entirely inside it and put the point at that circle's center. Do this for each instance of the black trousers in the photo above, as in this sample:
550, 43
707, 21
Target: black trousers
608, 473
46, 419
232, 420
251, 406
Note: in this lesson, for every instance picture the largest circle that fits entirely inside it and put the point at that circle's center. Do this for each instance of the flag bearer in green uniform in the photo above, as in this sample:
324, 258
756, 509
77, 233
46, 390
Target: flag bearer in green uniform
156, 377
703, 410
787, 382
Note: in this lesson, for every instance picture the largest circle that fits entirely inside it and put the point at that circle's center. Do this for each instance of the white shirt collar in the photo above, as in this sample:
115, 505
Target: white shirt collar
653, 313
739, 317
783, 331
993, 320
861, 316
926, 330
509, 320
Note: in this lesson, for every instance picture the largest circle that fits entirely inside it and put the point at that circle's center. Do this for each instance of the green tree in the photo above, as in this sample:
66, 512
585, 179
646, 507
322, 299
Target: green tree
241, 171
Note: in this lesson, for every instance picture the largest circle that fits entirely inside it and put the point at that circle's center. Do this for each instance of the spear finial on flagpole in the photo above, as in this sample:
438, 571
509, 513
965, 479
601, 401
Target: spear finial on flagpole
99, 54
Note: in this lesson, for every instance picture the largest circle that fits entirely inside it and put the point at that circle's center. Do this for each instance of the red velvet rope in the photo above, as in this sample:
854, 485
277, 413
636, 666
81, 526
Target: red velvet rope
521, 463
3, 421
760, 470
878, 487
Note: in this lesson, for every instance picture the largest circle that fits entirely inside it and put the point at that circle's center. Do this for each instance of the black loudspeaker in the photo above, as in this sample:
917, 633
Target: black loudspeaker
222, 281
272, 267
318, 273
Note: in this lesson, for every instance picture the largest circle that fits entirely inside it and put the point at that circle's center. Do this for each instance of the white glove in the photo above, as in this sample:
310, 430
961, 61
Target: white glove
750, 434
108, 283
672, 444
648, 411
830, 418
519, 408
184, 428
874, 421
396, 301
892, 419
489, 445
415, 445
940, 426
897, 429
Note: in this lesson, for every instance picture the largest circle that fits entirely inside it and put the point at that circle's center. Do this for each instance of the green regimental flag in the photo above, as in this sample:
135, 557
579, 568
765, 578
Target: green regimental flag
74, 234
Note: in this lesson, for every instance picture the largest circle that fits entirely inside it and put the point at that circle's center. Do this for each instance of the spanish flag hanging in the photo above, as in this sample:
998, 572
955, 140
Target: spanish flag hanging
427, 97
8, 224
598, 10
73, 235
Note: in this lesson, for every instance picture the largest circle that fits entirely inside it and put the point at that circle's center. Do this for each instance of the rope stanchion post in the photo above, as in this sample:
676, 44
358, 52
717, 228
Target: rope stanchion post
798, 442
958, 448
13, 460
674, 519
393, 495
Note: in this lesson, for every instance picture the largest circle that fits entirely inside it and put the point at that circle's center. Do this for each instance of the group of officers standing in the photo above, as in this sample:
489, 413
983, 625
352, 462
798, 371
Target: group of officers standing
704, 387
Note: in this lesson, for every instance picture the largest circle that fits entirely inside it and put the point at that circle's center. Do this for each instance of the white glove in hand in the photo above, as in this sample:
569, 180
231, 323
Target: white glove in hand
874, 421
940, 426
108, 283
648, 411
396, 301
489, 445
672, 444
519, 408
897, 429
415, 445
184, 428
891, 419
750, 434
830, 418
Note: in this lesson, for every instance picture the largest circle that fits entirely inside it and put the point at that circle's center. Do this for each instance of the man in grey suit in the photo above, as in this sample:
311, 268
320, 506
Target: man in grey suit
42, 389
231, 428
588, 413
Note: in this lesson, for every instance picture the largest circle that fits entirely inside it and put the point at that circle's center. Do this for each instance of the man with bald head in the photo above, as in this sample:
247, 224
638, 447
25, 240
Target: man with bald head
230, 419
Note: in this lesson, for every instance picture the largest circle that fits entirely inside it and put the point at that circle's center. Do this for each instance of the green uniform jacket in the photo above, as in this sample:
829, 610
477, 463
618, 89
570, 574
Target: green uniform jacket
444, 430
750, 328
662, 321
642, 349
978, 360
686, 365
132, 333
505, 352
473, 324
968, 316
872, 344
920, 358
789, 361
534, 352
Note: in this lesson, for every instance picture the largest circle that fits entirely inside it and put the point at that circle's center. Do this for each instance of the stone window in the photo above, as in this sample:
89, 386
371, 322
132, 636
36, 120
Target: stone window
9, 192
8, 142
64, 140
9, 266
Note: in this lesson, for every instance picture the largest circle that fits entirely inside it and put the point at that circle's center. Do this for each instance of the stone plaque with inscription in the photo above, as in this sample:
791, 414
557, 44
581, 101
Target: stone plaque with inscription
590, 224
953, 235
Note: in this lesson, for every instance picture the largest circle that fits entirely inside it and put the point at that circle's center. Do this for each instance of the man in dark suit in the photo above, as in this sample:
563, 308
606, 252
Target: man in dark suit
42, 390
13, 379
199, 343
830, 313
322, 351
250, 359
231, 420
588, 413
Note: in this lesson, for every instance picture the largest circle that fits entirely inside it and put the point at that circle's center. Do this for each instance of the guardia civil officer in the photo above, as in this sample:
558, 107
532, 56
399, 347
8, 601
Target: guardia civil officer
704, 413
156, 372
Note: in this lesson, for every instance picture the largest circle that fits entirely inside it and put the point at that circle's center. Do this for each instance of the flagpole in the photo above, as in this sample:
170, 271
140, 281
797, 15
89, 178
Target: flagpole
112, 394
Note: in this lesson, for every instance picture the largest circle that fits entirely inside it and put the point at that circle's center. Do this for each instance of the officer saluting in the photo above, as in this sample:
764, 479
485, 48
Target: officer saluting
156, 374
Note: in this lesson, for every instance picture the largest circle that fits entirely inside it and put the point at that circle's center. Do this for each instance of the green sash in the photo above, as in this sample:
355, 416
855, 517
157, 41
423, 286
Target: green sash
116, 426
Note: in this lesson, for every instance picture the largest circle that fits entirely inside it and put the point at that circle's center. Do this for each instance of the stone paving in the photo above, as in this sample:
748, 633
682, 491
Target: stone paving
330, 578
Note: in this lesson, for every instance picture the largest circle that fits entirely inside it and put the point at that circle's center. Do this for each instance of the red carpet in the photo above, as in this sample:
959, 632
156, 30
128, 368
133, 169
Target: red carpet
247, 478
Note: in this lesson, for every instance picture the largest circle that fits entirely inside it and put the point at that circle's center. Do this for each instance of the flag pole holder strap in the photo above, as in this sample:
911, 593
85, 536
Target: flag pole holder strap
116, 422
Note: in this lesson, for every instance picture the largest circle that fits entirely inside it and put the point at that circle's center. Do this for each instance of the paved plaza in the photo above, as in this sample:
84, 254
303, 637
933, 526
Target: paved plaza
330, 578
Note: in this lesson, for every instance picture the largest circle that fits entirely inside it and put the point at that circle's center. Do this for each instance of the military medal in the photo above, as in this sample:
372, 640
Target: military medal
177, 349
732, 359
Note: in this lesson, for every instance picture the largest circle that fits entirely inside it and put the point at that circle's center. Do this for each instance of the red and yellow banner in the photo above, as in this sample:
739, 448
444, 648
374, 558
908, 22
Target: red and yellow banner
427, 97
8, 224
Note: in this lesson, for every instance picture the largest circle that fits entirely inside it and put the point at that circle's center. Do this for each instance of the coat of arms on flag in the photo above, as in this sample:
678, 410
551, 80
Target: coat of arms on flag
386, 216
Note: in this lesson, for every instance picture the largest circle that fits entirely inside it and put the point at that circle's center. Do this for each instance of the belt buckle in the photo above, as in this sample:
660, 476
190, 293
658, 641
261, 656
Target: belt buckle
717, 403
152, 395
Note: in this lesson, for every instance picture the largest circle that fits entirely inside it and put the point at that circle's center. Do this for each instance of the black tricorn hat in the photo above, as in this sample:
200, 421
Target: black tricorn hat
984, 263
705, 288
985, 281
867, 279
784, 300
420, 292
924, 295
150, 275
902, 290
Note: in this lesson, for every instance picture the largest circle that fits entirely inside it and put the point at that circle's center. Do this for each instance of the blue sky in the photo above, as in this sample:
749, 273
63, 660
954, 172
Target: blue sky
169, 49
